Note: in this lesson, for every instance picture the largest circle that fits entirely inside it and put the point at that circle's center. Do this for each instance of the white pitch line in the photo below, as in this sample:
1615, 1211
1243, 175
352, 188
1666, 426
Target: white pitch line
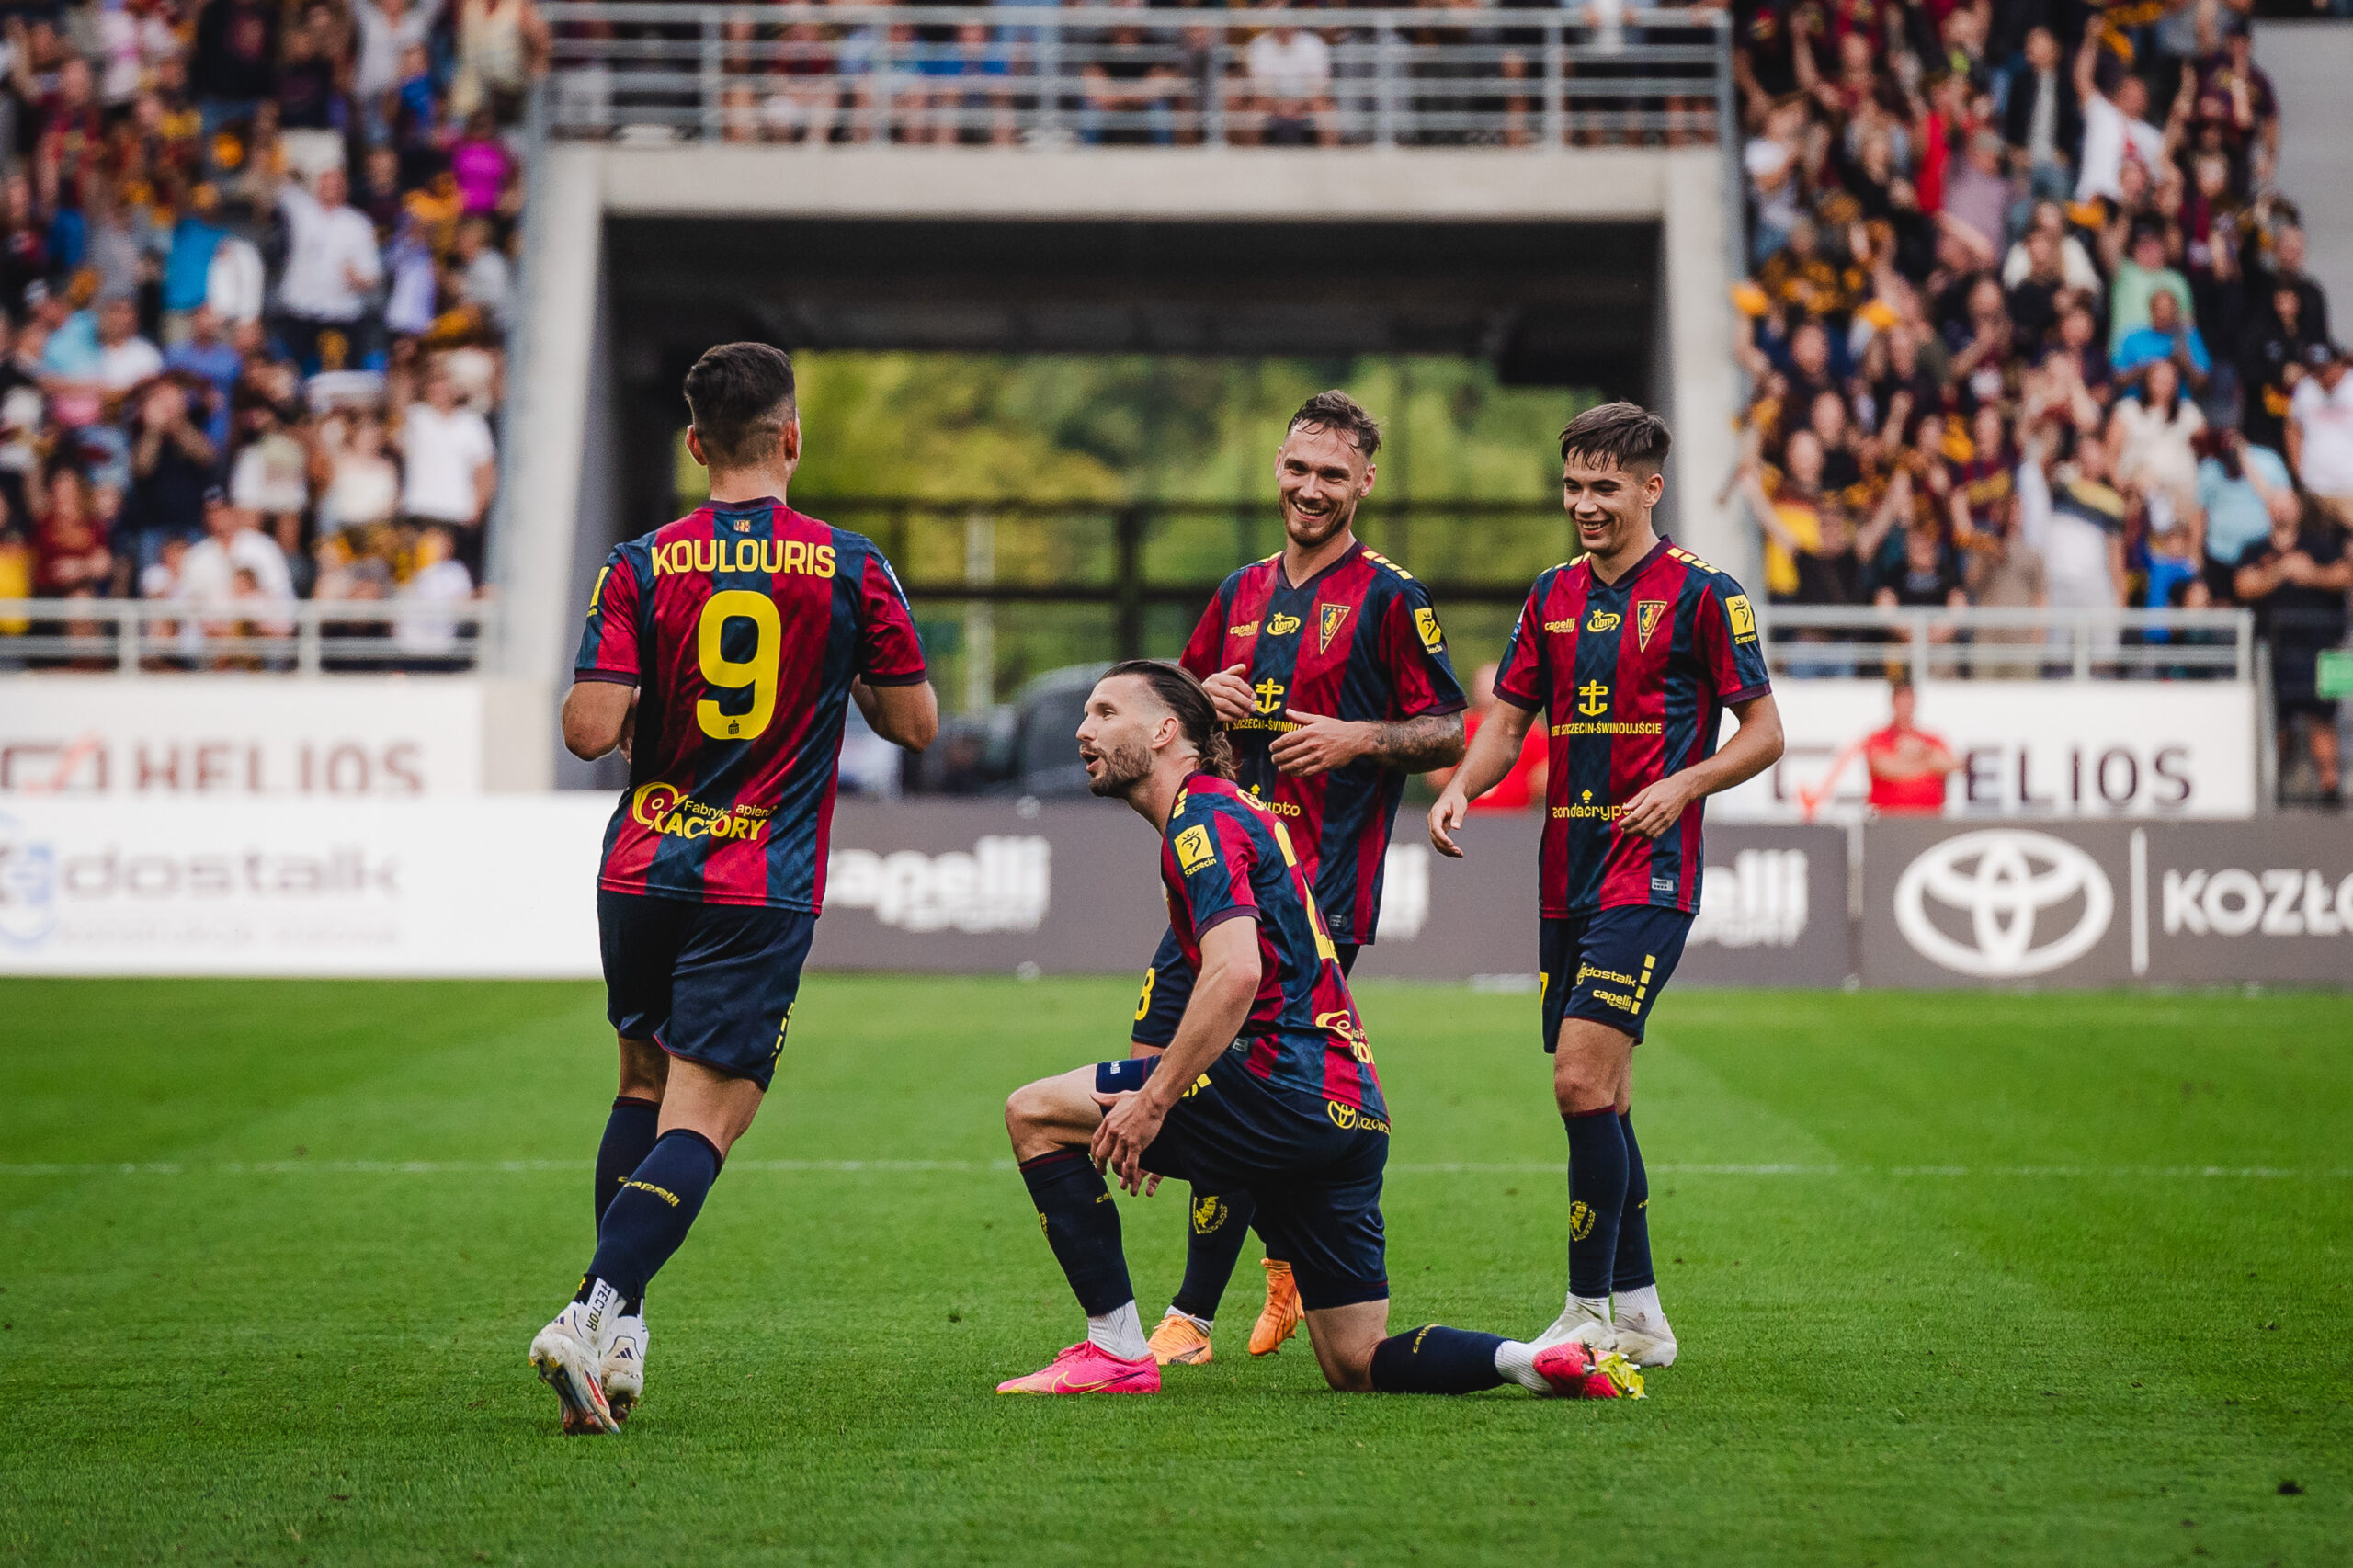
854, 1167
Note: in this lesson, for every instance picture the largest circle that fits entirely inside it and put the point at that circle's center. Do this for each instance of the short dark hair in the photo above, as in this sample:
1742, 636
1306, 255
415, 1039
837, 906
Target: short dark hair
740, 398
1182, 694
1623, 434
1337, 410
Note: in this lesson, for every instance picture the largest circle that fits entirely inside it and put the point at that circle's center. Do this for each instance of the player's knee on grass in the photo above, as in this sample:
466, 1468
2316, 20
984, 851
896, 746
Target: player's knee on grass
1344, 1339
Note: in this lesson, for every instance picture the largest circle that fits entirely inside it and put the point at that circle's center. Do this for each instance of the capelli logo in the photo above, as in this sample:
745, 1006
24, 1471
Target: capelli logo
1004, 884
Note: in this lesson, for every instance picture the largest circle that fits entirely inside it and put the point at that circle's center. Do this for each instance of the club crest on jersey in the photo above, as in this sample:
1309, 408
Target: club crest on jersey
1281, 625
1193, 847
1426, 622
1329, 619
1647, 618
1603, 620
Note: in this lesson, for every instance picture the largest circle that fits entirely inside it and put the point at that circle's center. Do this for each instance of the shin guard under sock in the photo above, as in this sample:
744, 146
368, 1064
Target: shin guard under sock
655, 1206
1214, 1236
1083, 1227
629, 1134
1436, 1360
1633, 1270
1596, 1199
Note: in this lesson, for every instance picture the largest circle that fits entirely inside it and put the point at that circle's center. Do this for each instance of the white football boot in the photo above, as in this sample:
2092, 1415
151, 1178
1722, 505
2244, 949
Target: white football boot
623, 1369
566, 1358
1644, 1338
1584, 1322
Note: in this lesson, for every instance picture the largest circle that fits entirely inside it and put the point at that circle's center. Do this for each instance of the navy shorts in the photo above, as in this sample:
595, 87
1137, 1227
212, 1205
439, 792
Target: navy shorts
1314, 1168
1609, 965
1168, 986
712, 983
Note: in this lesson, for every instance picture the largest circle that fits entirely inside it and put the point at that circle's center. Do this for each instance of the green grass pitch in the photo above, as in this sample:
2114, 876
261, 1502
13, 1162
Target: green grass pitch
1954, 1279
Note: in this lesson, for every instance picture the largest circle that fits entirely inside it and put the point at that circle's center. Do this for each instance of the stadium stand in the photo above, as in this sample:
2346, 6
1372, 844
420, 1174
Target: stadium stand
2030, 323
255, 260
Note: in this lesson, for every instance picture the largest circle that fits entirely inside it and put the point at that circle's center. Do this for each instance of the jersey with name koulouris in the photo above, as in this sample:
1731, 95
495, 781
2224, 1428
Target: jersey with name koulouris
1224, 857
1357, 641
742, 626
1634, 677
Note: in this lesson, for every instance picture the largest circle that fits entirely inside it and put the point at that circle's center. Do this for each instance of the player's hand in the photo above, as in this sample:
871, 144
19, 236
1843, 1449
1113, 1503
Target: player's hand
1130, 1122
1230, 693
1320, 743
1447, 815
1656, 808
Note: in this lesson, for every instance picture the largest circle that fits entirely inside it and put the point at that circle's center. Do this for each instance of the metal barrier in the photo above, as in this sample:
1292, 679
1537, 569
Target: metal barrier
1839, 640
1044, 75
305, 637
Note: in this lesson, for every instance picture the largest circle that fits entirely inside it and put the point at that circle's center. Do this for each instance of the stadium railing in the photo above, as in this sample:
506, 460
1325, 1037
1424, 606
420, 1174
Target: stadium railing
2022, 643
131, 637
1049, 76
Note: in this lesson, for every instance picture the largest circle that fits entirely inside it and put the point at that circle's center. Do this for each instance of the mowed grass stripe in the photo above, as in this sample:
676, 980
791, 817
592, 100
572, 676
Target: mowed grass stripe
271, 1368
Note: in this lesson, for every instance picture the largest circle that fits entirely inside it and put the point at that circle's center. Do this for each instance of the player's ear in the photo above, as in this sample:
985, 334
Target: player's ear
694, 449
790, 439
1654, 487
1364, 486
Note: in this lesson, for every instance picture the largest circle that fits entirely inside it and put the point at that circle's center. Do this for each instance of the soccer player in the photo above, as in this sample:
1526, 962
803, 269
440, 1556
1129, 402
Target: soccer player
1267, 1087
719, 652
1633, 651
1330, 672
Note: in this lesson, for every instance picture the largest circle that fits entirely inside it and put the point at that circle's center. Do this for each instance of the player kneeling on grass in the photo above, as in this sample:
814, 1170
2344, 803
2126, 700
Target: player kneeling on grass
1267, 1086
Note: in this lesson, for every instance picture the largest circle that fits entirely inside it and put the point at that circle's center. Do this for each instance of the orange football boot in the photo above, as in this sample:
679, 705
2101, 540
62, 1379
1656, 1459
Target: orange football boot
1281, 1317
1179, 1342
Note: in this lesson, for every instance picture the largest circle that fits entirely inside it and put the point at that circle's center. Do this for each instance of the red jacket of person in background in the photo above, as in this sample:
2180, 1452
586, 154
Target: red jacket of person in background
1908, 765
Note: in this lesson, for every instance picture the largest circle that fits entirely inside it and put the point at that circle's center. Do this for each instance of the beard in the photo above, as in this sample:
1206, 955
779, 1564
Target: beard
1307, 529
1124, 767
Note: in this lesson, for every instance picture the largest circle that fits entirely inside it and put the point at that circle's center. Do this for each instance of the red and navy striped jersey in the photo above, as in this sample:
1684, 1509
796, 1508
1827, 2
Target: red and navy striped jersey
1357, 640
1634, 677
741, 625
1224, 856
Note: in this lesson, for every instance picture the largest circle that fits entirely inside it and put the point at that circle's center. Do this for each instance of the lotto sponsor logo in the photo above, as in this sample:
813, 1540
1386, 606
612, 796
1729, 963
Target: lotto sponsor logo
774, 556
1603, 620
1281, 625
1003, 885
2234, 902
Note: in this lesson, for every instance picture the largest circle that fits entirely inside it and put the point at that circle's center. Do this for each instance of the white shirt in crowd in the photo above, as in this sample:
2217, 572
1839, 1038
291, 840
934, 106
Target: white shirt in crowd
235, 283
128, 363
321, 245
272, 475
443, 583
1298, 68
2108, 136
441, 453
2324, 419
2075, 553
209, 571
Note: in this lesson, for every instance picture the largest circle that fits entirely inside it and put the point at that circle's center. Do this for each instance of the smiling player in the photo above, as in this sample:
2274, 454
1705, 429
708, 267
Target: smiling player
1267, 1086
1329, 671
719, 652
1633, 651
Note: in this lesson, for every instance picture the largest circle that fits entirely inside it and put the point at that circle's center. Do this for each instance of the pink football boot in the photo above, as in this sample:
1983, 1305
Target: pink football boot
1574, 1373
1086, 1368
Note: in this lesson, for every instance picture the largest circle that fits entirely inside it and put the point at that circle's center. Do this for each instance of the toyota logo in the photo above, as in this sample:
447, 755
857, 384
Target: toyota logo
2003, 879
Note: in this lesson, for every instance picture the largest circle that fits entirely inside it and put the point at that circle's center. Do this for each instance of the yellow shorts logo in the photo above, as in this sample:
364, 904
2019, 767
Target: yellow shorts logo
1193, 848
1344, 1116
1580, 1222
1209, 1213
1281, 625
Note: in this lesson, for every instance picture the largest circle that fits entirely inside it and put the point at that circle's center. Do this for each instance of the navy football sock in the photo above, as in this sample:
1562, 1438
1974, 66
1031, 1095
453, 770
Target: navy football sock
1597, 1197
1219, 1225
1082, 1226
1437, 1360
650, 1215
1633, 1270
629, 1133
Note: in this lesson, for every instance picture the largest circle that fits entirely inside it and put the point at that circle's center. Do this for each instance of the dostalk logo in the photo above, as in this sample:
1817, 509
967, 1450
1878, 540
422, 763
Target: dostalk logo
1004, 884
2002, 881
28, 886
1759, 900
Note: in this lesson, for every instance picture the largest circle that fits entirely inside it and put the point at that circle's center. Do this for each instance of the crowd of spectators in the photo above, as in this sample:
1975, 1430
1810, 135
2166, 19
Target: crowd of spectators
2029, 323
255, 277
